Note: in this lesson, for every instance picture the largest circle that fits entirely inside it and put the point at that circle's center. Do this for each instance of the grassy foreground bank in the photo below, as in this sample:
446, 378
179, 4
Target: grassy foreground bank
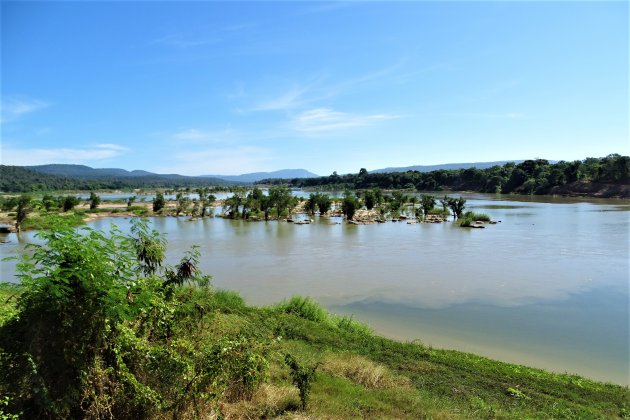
358, 374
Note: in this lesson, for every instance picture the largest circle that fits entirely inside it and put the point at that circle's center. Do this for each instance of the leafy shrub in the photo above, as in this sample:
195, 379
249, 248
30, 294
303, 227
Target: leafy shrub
101, 330
302, 377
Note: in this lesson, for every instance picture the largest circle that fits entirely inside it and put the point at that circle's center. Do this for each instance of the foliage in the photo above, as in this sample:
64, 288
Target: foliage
457, 205
304, 307
97, 332
23, 207
302, 377
349, 205
48, 221
158, 202
95, 200
20, 179
69, 202
528, 177
427, 202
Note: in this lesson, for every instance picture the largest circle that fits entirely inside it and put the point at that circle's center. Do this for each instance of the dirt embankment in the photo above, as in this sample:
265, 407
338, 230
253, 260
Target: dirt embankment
592, 189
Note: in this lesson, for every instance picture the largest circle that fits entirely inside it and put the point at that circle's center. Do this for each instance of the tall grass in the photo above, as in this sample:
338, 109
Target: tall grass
307, 308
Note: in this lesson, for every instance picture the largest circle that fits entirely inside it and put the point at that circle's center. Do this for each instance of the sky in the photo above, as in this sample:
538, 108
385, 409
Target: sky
212, 87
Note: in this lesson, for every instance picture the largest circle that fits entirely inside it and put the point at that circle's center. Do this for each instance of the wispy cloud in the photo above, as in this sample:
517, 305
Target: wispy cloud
41, 156
13, 108
286, 101
327, 121
223, 161
487, 115
193, 135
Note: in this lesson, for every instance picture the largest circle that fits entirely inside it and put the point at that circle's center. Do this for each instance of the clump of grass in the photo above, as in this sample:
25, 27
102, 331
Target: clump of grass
470, 217
50, 221
348, 323
304, 307
268, 401
362, 371
228, 300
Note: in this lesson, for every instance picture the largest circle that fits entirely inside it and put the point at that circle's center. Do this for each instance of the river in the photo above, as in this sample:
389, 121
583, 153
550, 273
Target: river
546, 287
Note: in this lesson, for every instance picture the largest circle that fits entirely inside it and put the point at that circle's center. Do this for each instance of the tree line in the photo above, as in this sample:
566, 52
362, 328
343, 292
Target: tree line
18, 179
537, 176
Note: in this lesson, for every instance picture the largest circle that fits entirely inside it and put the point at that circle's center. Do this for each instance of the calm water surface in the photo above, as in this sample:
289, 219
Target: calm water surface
546, 287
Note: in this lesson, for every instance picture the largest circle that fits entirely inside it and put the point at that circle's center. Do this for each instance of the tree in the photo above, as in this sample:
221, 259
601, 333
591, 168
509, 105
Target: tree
311, 204
68, 202
324, 203
208, 201
23, 207
158, 202
49, 202
427, 202
131, 200
182, 202
95, 200
280, 197
349, 205
457, 206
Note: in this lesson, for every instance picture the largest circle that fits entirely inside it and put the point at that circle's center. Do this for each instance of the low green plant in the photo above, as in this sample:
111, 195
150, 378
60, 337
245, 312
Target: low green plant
304, 307
302, 377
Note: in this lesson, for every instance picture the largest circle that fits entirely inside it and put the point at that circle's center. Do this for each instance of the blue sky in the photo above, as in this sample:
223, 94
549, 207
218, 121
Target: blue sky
234, 87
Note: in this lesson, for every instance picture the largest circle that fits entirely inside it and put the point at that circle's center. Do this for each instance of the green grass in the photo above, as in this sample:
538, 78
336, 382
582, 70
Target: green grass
361, 375
469, 218
47, 221
9, 292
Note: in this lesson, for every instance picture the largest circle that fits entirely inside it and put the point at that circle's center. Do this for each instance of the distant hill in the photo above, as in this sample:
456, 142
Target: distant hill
86, 172
257, 176
446, 166
80, 177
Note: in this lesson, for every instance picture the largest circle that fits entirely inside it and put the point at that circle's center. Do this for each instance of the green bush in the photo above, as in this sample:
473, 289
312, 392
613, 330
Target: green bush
104, 329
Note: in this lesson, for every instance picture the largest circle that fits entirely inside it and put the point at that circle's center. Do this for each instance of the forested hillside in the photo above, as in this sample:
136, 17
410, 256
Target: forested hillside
529, 177
20, 179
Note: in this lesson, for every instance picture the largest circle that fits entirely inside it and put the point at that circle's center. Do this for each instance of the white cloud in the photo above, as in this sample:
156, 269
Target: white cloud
287, 101
15, 107
41, 156
193, 135
326, 121
224, 161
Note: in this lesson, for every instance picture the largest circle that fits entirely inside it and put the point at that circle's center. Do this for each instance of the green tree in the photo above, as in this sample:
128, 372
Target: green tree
95, 200
49, 202
457, 206
427, 202
69, 202
349, 205
324, 203
182, 202
158, 202
311, 204
280, 196
131, 200
23, 207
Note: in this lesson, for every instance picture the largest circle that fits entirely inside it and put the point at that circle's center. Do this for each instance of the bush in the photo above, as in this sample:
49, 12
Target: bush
100, 331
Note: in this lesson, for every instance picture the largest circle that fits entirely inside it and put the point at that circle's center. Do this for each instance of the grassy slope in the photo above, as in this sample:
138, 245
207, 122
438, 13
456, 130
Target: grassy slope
364, 376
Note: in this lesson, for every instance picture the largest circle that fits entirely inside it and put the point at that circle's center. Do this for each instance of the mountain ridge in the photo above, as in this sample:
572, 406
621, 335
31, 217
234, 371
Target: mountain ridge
446, 166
